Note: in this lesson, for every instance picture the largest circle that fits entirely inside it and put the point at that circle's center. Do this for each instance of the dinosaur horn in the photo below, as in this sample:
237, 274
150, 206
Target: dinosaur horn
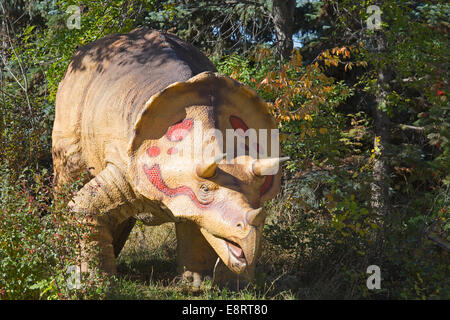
263, 167
208, 169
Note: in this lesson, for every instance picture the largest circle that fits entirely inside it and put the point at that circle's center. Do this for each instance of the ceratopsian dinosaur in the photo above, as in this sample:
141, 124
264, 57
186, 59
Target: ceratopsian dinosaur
128, 111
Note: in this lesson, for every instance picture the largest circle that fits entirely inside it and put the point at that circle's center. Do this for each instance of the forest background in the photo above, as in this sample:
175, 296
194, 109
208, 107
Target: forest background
360, 93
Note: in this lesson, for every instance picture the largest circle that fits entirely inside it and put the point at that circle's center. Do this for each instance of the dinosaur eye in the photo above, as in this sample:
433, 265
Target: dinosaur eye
205, 195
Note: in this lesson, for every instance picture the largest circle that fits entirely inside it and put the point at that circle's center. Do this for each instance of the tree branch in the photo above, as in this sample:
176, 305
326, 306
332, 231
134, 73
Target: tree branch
408, 127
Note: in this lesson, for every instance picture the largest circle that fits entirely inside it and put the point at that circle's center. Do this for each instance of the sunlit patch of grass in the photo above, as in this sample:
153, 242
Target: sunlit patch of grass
149, 254
124, 289
147, 269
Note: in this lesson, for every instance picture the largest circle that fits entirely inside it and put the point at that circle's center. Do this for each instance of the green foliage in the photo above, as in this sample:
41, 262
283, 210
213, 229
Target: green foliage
232, 27
322, 231
40, 239
324, 212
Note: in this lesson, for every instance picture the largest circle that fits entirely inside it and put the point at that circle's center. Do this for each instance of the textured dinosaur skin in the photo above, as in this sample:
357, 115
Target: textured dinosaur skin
126, 109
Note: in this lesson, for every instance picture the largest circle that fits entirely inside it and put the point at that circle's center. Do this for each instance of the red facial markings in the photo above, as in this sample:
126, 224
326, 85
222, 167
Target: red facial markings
266, 185
176, 133
154, 175
179, 130
238, 123
172, 150
153, 151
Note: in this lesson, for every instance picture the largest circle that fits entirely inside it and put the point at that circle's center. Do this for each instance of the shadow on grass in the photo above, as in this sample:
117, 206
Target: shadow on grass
138, 276
148, 270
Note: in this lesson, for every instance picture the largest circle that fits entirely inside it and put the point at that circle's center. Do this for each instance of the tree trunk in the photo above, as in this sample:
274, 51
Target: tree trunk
381, 172
380, 201
283, 19
2, 93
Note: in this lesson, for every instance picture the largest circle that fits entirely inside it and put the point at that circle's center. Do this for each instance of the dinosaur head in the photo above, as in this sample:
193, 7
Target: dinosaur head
234, 223
185, 167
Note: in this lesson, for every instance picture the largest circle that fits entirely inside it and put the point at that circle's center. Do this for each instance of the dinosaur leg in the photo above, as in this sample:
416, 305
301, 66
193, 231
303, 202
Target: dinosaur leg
196, 258
121, 233
107, 203
98, 250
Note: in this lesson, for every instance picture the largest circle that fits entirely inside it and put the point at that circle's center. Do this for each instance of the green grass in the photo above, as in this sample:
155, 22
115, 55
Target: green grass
147, 269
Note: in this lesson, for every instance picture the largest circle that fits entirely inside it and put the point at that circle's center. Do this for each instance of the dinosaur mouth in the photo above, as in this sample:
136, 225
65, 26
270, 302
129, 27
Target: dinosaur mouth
229, 252
236, 251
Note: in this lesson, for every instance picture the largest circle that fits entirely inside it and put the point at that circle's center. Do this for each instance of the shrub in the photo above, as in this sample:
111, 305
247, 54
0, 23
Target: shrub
40, 239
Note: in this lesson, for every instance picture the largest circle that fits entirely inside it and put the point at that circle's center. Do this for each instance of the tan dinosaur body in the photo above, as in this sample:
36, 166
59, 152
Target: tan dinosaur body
128, 112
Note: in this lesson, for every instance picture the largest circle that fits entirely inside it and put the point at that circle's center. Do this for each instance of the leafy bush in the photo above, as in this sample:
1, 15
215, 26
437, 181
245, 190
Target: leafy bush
322, 233
40, 239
